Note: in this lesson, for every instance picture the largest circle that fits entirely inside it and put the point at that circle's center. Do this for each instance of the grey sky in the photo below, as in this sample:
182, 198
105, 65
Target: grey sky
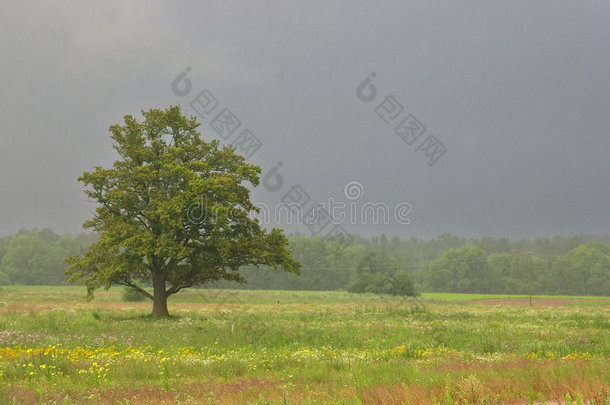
518, 92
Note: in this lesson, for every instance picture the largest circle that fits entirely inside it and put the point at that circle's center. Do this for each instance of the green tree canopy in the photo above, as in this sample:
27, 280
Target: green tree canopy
173, 211
463, 269
511, 272
584, 270
37, 257
378, 273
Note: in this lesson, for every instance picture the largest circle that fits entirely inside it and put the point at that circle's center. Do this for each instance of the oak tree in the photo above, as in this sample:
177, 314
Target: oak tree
174, 211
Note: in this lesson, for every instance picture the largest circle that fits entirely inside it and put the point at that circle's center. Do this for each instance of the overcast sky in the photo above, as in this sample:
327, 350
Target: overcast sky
517, 93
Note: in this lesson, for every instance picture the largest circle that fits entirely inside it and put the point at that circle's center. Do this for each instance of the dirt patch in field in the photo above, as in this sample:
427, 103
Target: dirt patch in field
237, 392
19, 307
146, 306
539, 302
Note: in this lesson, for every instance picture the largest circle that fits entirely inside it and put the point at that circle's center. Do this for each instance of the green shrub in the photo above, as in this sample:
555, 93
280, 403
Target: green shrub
131, 295
398, 284
403, 284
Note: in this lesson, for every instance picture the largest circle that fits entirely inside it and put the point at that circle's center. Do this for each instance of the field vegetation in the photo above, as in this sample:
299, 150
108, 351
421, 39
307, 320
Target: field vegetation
238, 346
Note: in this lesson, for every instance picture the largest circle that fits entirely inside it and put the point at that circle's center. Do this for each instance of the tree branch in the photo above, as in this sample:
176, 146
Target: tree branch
175, 288
138, 289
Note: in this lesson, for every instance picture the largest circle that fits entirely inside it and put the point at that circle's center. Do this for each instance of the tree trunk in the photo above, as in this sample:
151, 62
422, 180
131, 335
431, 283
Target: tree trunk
160, 296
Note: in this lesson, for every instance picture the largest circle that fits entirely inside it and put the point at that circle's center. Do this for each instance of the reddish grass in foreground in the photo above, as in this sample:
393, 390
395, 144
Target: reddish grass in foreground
467, 390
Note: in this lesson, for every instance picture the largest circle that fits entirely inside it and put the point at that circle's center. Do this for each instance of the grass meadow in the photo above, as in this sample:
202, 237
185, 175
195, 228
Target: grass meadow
290, 347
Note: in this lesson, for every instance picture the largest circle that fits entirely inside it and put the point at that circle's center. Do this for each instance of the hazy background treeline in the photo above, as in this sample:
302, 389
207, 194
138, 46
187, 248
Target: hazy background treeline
577, 265
36, 257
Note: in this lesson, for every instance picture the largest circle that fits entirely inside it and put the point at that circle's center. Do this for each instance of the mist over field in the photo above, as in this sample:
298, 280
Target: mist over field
305, 202
517, 94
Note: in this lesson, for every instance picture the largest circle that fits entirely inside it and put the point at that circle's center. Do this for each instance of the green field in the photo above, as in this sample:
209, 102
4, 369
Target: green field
242, 346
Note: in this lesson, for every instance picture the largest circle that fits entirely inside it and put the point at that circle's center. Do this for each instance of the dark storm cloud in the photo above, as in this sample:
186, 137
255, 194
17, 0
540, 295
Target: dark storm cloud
517, 92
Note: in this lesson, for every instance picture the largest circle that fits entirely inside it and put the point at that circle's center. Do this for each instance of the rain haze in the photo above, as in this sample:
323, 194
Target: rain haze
305, 202
507, 102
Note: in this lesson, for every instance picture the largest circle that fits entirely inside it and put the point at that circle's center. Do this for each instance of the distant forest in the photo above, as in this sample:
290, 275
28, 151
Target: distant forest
577, 265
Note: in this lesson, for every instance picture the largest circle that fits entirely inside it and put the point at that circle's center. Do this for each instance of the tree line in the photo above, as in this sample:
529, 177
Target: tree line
37, 257
578, 265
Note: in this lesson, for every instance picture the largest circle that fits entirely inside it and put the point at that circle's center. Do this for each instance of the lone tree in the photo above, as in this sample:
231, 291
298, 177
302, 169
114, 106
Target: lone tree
174, 212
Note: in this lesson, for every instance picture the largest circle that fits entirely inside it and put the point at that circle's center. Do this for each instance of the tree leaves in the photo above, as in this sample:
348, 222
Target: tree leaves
145, 199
